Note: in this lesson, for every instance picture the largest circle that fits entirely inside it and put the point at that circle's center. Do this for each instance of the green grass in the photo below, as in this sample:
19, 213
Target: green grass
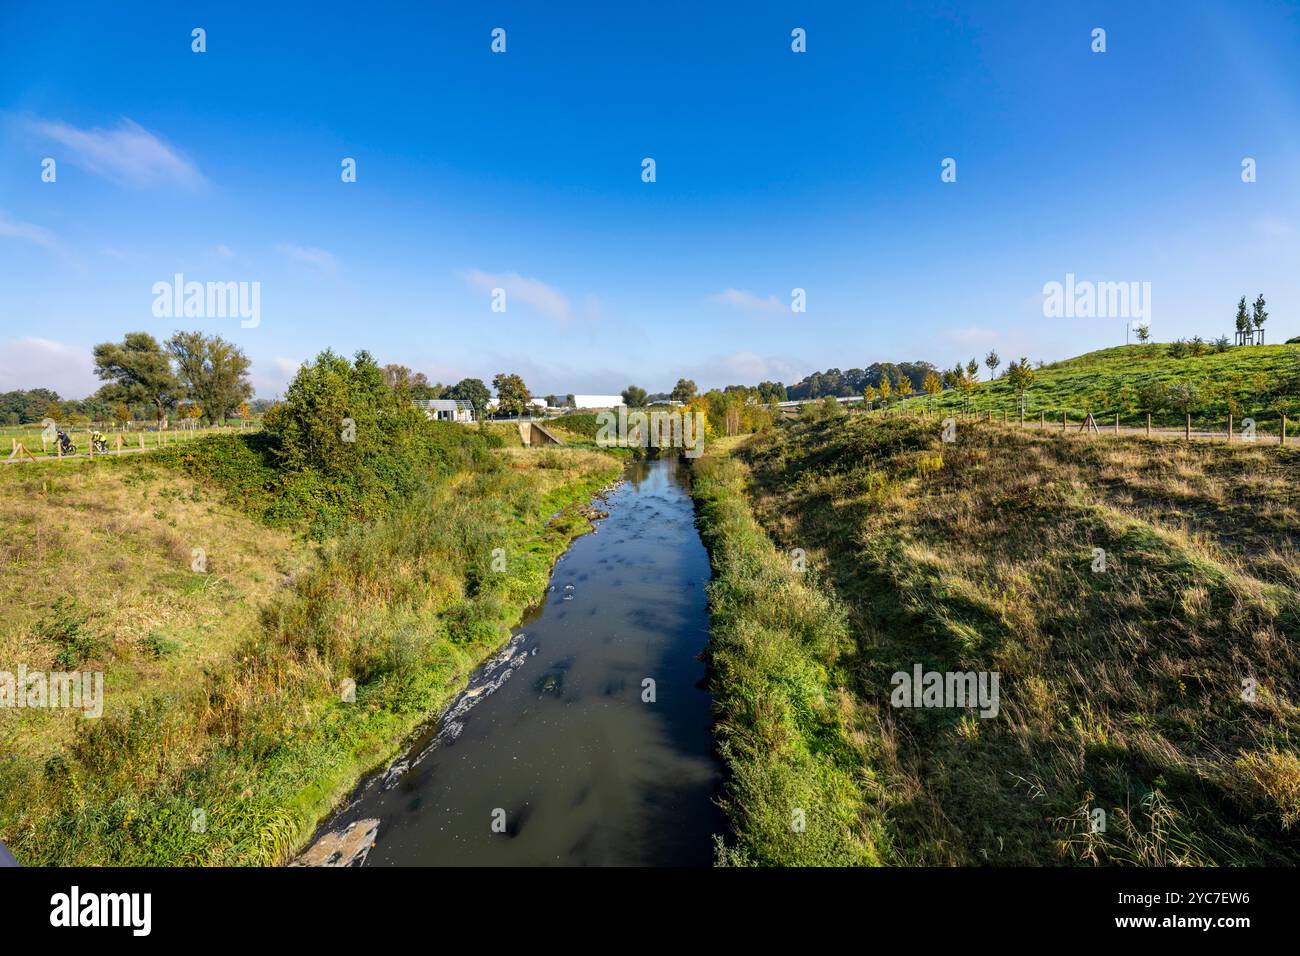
1119, 690
1256, 381
251, 729
30, 437
798, 793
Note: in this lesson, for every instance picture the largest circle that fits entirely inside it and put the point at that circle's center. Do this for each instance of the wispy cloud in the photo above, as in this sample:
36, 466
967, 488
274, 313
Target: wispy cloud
308, 255
27, 232
748, 301
34, 362
972, 335
546, 299
127, 154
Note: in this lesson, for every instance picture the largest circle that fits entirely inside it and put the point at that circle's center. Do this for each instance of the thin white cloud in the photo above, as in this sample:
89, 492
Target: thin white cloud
224, 251
27, 232
748, 301
308, 255
34, 362
127, 154
546, 299
972, 335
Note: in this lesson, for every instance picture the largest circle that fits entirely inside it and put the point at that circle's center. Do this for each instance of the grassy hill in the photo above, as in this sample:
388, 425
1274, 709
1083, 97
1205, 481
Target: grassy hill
1121, 689
1257, 381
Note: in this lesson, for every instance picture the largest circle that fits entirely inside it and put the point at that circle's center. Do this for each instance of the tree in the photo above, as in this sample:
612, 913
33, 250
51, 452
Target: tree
213, 371
471, 390
966, 378
568, 400
1184, 396
885, 390
1243, 320
140, 371
933, 385
552, 401
1021, 377
634, 397
121, 415
1260, 316
992, 360
903, 386
340, 417
512, 393
1143, 332
684, 390
397, 376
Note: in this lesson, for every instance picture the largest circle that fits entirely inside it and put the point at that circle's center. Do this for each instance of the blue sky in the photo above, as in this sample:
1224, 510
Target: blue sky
522, 170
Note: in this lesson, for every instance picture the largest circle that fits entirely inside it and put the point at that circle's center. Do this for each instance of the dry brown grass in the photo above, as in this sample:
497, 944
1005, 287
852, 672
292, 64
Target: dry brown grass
117, 542
1119, 689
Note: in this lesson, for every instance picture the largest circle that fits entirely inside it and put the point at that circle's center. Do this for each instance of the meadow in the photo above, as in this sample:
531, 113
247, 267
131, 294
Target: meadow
1261, 382
30, 437
1159, 689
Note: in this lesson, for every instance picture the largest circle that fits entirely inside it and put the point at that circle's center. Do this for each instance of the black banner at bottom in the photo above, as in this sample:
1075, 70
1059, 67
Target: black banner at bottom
339, 907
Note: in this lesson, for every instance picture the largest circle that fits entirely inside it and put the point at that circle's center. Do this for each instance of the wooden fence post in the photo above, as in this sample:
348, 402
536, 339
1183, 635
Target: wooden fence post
1042, 419
140, 435
1063, 417
1188, 434
1148, 424
1229, 428
1117, 423
90, 441
1282, 434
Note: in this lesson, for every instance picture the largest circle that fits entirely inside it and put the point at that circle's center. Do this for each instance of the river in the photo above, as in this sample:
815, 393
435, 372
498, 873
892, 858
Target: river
556, 754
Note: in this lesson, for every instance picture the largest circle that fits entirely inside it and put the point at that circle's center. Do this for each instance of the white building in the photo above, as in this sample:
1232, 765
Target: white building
597, 401
447, 409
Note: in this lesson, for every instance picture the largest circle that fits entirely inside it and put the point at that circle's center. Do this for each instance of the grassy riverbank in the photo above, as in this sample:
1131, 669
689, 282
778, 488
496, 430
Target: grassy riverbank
799, 788
1121, 689
228, 729
212, 706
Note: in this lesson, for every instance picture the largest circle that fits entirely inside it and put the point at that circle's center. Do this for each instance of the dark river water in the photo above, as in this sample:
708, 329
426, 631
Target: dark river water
552, 756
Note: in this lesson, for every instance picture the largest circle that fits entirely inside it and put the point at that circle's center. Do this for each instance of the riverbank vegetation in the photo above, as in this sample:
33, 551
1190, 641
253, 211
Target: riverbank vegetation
347, 590
1157, 685
799, 790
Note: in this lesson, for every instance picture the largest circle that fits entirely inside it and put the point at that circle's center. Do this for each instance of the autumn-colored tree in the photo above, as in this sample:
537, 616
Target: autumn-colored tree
932, 384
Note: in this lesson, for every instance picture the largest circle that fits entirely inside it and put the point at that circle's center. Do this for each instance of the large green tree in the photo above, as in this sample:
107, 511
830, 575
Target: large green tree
634, 396
471, 390
512, 393
684, 390
139, 370
213, 371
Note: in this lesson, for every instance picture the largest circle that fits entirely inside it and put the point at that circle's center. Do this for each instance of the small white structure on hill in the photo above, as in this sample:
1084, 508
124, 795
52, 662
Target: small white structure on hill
447, 409
597, 401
